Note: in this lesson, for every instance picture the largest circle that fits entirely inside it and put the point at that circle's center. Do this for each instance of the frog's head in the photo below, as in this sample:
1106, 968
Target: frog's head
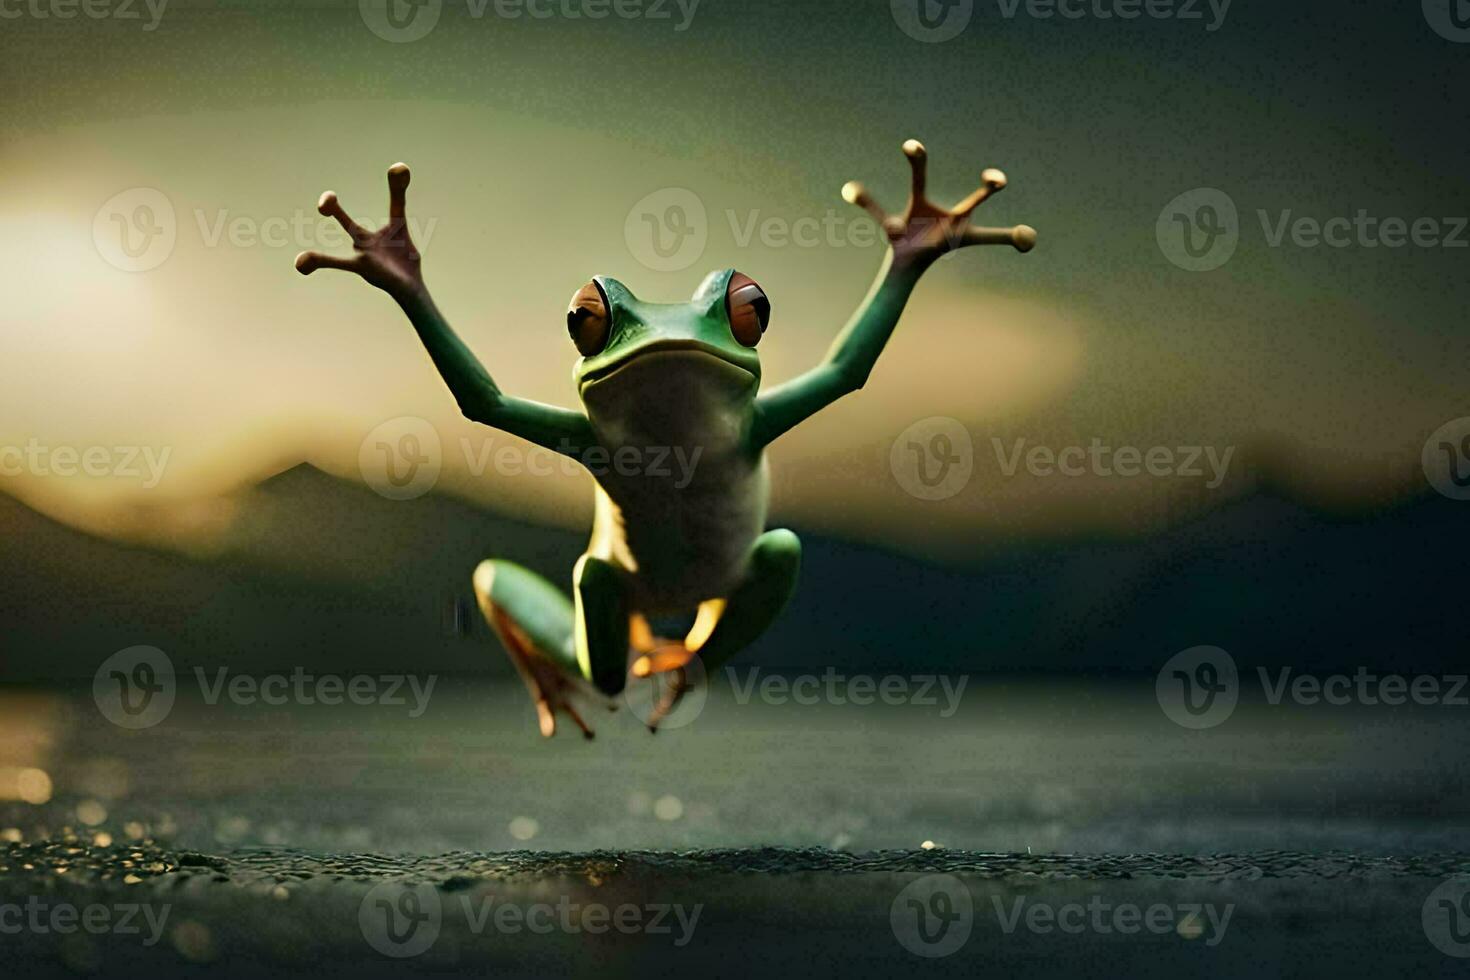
635, 352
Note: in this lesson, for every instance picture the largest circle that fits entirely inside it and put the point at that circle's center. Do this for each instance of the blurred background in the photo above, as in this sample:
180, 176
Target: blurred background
1079, 560
188, 429
186, 422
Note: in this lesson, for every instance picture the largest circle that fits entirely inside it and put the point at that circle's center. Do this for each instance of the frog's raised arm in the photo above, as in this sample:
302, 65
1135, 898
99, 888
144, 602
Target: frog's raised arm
924, 233
480, 399
388, 259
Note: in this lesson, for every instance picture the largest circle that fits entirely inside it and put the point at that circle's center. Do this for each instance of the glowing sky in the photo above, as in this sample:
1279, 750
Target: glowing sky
1325, 368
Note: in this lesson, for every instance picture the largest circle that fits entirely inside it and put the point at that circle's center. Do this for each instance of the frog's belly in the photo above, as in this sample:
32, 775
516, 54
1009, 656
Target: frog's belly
682, 544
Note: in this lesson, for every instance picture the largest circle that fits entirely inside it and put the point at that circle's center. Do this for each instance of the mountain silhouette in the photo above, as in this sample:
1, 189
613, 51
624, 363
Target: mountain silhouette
322, 573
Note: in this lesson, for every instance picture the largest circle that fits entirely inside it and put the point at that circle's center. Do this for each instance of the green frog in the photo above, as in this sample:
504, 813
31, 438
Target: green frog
656, 378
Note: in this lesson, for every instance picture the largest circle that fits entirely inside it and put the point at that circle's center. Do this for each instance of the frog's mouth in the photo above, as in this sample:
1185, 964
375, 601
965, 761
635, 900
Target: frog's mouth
686, 349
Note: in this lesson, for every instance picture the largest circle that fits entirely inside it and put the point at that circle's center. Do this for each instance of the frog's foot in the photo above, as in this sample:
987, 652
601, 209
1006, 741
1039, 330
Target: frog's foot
669, 687
533, 620
925, 230
549, 688
660, 661
664, 656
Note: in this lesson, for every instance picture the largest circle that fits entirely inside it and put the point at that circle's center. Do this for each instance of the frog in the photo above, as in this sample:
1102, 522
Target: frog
653, 380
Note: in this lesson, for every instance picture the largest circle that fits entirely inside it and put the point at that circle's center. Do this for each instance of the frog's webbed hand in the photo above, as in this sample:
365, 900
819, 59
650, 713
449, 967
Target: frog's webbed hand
388, 259
917, 238
926, 231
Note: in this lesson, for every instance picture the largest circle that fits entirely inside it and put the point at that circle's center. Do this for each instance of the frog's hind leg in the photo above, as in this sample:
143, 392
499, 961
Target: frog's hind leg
753, 605
601, 624
725, 626
535, 622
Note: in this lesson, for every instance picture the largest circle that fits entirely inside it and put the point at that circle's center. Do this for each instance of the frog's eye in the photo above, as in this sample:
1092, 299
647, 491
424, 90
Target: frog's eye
748, 309
587, 319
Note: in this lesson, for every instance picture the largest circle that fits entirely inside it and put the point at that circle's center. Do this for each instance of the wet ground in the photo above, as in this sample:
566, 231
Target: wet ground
1072, 830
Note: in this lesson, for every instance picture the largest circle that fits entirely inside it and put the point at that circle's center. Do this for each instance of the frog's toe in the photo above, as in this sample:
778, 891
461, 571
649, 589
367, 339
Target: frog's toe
546, 716
668, 695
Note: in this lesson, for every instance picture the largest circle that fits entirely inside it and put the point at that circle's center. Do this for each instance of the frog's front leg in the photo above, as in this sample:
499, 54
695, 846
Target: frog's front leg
725, 626
917, 239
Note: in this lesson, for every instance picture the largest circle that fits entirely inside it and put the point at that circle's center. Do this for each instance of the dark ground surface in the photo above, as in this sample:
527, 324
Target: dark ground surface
279, 840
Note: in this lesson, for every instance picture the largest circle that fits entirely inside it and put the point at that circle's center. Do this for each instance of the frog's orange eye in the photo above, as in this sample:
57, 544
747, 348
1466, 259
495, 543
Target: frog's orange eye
748, 309
587, 319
